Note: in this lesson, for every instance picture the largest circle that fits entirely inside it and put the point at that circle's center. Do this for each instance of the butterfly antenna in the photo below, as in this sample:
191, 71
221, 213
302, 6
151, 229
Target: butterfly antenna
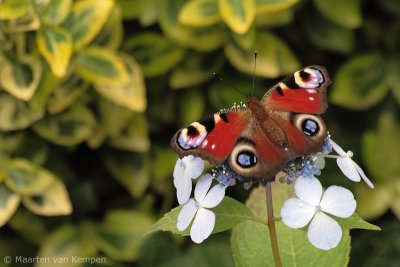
254, 71
230, 85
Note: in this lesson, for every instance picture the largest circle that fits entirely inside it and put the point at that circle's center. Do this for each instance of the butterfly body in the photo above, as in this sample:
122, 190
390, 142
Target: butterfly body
257, 140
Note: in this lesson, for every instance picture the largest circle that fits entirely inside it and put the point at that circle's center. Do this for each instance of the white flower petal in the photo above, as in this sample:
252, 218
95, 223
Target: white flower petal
308, 189
202, 187
337, 148
324, 232
363, 176
214, 196
346, 164
178, 172
296, 214
183, 190
194, 166
186, 215
319, 160
338, 201
203, 225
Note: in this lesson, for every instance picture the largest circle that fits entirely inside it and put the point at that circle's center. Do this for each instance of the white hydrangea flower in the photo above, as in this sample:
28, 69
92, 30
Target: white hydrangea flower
323, 232
197, 208
186, 169
349, 168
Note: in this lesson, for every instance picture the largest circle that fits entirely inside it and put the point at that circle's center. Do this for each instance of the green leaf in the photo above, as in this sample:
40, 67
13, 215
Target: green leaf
361, 82
194, 70
56, 12
67, 242
274, 19
135, 137
251, 244
121, 233
372, 204
238, 15
199, 13
112, 33
47, 86
164, 163
9, 202
356, 222
86, 20
101, 66
15, 114
25, 178
394, 76
329, 36
229, 213
21, 79
346, 13
268, 6
273, 60
155, 53
12, 9
202, 39
132, 170
132, 94
68, 128
55, 44
193, 101
29, 226
145, 11
53, 202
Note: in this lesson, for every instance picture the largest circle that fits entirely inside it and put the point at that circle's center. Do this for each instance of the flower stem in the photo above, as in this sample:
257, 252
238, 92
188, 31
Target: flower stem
271, 226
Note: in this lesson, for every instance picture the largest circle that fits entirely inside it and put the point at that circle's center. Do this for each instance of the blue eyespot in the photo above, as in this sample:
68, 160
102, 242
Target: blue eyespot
246, 159
310, 127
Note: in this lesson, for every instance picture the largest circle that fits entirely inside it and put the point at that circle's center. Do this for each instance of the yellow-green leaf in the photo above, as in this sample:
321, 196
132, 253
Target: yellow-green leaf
55, 44
25, 178
86, 20
11, 9
145, 11
273, 60
112, 33
268, 6
274, 19
68, 128
155, 53
9, 202
52, 202
56, 11
199, 13
371, 204
237, 14
101, 66
21, 79
343, 12
131, 94
15, 114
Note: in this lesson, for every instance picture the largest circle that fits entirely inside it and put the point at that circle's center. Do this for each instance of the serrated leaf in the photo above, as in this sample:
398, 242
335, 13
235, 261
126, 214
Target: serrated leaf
68, 128
15, 114
229, 213
133, 138
202, 39
268, 6
53, 202
9, 202
86, 20
101, 66
251, 244
194, 70
12, 9
131, 170
273, 60
25, 178
131, 94
56, 12
155, 53
356, 222
361, 82
346, 13
199, 13
21, 79
238, 15
121, 233
55, 44
67, 242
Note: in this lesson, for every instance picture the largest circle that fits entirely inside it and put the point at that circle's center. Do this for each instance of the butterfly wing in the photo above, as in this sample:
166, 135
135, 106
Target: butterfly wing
302, 92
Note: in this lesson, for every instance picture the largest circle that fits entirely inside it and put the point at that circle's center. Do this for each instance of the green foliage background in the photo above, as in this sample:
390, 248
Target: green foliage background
91, 92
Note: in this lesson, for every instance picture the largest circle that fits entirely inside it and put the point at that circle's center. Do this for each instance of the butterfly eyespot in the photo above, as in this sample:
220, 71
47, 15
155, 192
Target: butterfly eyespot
310, 127
246, 159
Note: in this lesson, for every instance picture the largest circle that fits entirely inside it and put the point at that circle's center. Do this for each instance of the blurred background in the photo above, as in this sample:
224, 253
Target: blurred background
91, 91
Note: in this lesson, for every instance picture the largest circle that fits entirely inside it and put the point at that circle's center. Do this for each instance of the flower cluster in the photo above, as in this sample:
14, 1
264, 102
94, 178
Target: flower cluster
311, 207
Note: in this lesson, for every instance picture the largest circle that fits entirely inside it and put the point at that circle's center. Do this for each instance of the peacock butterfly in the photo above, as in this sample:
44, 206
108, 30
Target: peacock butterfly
257, 140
